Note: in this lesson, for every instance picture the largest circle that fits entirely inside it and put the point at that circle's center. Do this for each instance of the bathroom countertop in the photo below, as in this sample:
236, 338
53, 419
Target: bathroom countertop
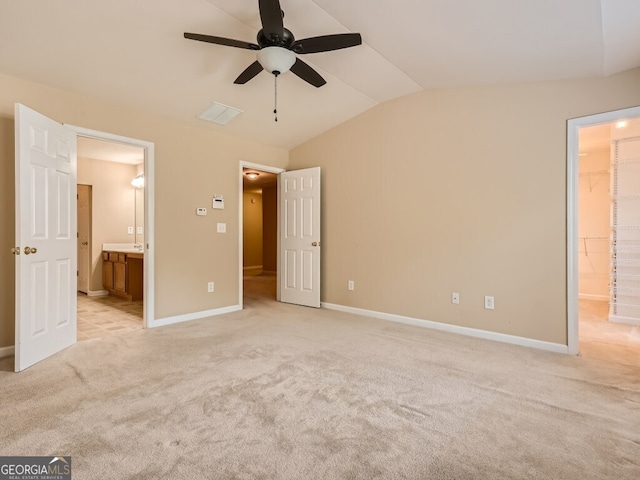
121, 248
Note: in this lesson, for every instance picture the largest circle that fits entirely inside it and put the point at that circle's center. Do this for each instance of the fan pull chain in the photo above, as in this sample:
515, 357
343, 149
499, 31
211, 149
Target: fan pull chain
275, 108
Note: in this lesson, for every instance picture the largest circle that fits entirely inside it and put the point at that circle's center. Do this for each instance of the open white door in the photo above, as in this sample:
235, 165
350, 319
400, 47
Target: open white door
46, 252
300, 237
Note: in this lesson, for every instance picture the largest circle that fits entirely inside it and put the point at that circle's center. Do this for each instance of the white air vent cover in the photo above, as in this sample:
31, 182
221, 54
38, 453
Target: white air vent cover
219, 113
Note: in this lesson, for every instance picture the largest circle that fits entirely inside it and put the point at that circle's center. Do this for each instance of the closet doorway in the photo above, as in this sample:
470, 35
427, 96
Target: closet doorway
608, 241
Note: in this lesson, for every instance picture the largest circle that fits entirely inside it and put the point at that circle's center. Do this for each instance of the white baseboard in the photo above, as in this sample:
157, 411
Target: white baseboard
625, 320
7, 351
588, 296
445, 327
161, 322
97, 293
255, 267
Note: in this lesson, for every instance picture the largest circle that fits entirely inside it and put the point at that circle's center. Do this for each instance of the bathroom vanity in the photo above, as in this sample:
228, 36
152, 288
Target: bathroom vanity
122, 270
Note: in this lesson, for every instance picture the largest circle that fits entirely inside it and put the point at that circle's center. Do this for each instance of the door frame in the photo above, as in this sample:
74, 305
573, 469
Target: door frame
148, 310
264, 168
573, 127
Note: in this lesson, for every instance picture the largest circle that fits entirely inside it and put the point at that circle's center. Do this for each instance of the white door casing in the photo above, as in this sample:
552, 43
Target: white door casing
46, 224
299, 204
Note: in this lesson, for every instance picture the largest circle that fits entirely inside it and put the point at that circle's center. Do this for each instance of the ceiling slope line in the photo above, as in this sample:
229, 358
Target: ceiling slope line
364, 42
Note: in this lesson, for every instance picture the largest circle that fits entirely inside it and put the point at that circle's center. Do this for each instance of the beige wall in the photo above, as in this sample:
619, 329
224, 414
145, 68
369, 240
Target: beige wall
270, 227
7, 232
457, 190
113, 207
252, 229
593, 225
192, 164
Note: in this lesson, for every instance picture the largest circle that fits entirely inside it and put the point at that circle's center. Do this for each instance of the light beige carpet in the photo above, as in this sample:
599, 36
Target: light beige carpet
285, 392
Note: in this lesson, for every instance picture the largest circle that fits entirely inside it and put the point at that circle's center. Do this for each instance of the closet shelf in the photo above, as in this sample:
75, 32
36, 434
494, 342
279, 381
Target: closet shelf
627, 305
629, 277
626, 262
625, 203
626, 292
626, 161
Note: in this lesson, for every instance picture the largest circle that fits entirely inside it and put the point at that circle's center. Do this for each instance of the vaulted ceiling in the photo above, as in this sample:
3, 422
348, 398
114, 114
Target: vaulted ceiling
134, 53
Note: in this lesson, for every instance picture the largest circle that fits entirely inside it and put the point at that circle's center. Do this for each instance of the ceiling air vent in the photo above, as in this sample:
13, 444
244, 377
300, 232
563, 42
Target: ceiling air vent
219, 113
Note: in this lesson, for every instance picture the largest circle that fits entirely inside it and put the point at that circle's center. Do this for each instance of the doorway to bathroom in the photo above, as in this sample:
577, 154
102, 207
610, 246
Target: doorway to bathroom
111, 237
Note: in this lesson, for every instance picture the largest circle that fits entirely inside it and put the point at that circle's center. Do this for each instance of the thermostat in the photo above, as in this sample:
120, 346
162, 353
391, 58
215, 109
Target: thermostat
218, 202
201, 211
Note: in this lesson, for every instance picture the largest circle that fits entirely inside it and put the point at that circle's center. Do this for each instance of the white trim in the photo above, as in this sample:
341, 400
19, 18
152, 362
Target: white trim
97, 293
257, 267
588, 296
162, 322
444, 327
7, 351
625, 320
263, 168
149, 212
573, 127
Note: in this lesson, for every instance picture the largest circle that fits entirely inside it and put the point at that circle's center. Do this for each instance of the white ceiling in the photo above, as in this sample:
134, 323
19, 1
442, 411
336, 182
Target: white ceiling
134, 53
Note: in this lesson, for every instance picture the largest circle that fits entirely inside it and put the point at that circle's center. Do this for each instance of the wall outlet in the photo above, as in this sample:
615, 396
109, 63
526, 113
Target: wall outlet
489, 303
210, 287
139, 230
351, 285
130, 230
455, 298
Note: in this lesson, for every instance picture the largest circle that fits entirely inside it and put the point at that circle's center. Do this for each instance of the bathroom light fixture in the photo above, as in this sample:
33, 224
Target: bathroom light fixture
252, 175
621, 124
138, 182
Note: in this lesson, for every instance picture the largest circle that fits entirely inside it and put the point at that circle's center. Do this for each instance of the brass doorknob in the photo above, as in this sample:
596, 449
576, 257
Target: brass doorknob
29, 250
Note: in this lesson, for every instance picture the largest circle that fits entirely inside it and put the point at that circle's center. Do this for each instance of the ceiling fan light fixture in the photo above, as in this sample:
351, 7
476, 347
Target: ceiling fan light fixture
276, 59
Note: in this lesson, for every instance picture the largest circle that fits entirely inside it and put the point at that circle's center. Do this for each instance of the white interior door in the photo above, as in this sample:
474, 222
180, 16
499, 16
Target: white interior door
84, 235
300, 237
46, 282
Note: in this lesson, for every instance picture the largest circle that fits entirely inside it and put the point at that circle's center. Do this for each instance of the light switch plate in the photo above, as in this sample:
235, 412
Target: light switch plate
222, 228
139, 230
130, 230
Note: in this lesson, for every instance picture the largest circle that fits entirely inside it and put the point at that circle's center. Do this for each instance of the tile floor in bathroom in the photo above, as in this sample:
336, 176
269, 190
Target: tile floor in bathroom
101, 316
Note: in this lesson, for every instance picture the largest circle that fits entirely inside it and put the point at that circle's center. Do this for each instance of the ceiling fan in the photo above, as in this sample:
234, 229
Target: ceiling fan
277, 47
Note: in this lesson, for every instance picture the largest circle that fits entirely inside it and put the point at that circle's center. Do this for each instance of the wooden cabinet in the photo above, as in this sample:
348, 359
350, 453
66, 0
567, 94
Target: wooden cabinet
122, 274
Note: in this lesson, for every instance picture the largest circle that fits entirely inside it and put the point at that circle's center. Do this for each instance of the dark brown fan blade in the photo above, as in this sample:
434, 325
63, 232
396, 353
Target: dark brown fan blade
308, 74
271, 17
326, 43
251, 71
228, 42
